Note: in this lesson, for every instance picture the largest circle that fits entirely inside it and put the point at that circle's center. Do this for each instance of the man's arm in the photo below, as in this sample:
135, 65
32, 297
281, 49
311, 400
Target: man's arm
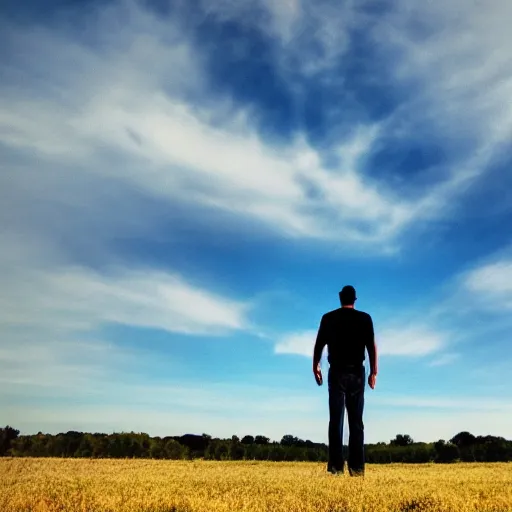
317, 351
372, 353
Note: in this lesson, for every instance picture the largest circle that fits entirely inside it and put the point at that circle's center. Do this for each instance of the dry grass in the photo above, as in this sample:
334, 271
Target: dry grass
51, 485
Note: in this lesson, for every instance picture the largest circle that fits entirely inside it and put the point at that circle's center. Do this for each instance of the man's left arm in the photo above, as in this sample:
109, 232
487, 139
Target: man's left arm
372, 353
317, 351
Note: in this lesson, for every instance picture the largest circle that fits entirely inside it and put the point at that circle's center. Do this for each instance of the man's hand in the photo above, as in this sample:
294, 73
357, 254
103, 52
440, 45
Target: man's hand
318, 374
372, 379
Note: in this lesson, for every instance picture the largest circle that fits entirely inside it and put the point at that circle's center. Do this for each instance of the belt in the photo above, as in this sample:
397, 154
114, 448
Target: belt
346, 367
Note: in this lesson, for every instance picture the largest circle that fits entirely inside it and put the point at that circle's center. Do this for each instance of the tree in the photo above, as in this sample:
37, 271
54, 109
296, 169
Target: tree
7, 436
196, 444
157, 449
402, 440
463, 446
174, 450
276, 452
71, 441
446, 452
289, 440
236, 449
463, 439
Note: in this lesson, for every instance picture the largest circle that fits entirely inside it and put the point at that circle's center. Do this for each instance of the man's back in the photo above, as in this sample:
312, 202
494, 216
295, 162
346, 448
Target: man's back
347, 332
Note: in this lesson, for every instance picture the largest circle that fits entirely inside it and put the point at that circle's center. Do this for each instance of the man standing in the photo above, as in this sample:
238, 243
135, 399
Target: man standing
347, 333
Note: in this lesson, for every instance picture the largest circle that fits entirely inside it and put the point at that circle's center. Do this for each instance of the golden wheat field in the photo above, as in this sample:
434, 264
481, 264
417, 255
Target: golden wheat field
51, 485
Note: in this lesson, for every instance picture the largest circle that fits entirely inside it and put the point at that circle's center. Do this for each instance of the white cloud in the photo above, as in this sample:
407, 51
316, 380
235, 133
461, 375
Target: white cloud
455, 56
285, 17
444, 359
310, 36
107, 113
77, 299
300, 343
410, 341
51, 313
451, 60
313, 36
490, 285
463, 49
34, 365
476, 302
183, 158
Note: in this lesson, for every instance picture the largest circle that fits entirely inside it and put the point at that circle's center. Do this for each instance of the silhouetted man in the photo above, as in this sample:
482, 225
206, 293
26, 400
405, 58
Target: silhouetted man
347, 333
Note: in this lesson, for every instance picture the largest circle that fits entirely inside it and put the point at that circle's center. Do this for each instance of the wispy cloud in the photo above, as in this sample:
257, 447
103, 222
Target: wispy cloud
490, 285
80, 299
458, 55
52, 315
310, 37
482, 290
34, 365
409, 341
205, 154
455, 58
122, 118
299, 343
90, 385
444, 359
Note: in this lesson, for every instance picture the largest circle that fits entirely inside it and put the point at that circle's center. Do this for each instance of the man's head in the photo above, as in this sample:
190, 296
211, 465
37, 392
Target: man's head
348, 296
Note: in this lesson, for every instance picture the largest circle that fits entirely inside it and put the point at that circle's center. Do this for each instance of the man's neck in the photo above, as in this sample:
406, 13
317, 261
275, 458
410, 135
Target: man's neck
351, 306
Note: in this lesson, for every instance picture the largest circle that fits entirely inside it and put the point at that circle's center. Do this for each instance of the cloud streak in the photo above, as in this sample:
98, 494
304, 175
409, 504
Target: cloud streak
409, 341
53, 314
491, 284
122, 118
299, 343
79, 299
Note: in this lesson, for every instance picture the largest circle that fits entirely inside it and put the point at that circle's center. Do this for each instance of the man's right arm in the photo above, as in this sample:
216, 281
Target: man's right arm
320, 343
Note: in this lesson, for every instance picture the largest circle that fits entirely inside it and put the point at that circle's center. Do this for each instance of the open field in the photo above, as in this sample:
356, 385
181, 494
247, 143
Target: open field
84, 485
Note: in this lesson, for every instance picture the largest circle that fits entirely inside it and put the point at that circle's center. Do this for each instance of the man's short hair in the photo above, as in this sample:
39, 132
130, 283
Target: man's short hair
348, 295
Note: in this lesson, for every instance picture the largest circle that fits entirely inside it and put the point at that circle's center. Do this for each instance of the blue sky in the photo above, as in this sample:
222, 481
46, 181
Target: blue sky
185, 187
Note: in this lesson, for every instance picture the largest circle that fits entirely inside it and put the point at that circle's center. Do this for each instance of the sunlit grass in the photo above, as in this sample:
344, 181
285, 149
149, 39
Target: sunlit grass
51, 485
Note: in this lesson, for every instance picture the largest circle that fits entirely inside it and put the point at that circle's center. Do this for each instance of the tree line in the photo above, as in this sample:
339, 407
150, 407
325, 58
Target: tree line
462, 447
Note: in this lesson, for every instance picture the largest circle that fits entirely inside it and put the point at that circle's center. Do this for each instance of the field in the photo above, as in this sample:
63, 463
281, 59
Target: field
82, 485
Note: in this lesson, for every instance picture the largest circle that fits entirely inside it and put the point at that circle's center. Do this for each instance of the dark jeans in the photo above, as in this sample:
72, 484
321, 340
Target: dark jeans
346, 390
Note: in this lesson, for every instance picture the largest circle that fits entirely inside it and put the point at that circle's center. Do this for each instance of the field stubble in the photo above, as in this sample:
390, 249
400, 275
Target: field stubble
83, 485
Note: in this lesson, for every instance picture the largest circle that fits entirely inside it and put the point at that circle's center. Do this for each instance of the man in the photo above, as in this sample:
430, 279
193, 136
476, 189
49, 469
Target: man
347, 333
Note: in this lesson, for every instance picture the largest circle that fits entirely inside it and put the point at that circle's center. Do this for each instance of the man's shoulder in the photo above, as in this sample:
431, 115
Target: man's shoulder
340, 311
331, 314
365, 318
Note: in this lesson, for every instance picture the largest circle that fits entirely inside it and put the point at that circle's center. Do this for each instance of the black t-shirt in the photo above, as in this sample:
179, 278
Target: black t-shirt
347, 332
